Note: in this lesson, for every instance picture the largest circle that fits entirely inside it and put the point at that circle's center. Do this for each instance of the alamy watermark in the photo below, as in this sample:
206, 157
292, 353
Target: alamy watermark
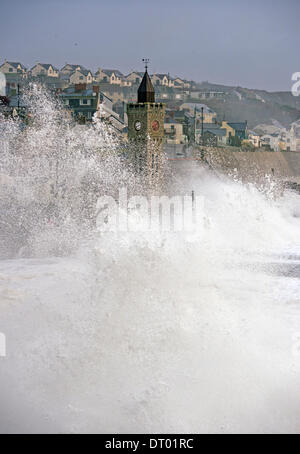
155, 213
2, 345
296, 85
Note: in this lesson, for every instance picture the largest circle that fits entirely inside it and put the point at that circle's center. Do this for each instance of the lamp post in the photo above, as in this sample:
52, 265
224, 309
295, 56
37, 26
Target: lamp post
202, 125
195, 121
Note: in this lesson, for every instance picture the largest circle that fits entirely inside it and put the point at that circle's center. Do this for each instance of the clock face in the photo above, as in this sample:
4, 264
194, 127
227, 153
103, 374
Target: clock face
138, 125
155, 125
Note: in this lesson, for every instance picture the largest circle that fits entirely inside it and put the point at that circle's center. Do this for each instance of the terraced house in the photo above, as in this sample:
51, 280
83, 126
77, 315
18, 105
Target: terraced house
135, 77
163, 79
111, 76
69, 69
81, 102
235, 131
12, 67
44, 69
80, 76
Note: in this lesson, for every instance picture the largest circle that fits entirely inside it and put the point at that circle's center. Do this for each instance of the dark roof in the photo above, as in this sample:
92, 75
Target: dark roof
71, 91
146, 91
110, 71
161, 76
239, 126
211, 126
73, 66
14, 64
135, 72
46, 66
85, 72
215, 131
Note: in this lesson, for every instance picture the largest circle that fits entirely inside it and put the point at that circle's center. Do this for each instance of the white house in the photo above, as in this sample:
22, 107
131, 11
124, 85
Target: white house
254, 138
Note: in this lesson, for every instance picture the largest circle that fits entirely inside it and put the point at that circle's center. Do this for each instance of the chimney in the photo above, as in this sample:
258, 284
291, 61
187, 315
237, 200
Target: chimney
80, 87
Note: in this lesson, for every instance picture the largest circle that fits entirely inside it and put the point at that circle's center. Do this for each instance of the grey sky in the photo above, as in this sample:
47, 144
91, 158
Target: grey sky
253, 44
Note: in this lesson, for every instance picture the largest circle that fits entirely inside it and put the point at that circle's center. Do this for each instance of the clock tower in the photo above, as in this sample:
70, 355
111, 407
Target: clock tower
146, 130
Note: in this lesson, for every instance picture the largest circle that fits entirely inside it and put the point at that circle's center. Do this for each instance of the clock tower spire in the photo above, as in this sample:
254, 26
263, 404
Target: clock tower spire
146, 129
146, 91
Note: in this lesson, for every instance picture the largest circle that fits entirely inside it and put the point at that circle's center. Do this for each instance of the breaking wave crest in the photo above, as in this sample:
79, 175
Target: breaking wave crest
140, 332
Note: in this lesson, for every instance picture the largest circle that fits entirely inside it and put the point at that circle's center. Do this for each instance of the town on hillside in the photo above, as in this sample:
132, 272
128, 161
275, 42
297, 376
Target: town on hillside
195, 112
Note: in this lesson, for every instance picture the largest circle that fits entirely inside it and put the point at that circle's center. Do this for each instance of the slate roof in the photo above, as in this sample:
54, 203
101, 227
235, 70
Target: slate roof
14, 64
110, 71
211, 126
215, 131
46, 66
73, 66
135, 72
161, 76
70, 91
242, 126
85, 72
146, 91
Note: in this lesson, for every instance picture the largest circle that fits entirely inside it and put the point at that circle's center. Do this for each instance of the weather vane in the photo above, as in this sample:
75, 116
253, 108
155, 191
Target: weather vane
146, 61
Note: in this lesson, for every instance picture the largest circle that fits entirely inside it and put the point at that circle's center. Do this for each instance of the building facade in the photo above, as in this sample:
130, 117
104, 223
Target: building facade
11, 67
44, 69
81, 76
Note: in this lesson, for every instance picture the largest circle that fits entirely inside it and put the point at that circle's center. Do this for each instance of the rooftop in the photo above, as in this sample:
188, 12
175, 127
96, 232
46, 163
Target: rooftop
14, 64
146, 91
241, 126
46, 66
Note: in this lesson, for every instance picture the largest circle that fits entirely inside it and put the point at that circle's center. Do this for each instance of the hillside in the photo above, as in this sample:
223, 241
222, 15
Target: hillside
256, 106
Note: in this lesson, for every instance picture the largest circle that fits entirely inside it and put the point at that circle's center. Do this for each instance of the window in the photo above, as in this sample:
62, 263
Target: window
10, 70
85, 102
81, 77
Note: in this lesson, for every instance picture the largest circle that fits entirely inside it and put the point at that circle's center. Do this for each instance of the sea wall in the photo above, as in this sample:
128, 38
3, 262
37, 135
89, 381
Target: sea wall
249, 165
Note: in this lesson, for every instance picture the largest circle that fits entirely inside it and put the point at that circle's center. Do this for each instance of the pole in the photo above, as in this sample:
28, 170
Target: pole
18, 97
202, 124
195, 120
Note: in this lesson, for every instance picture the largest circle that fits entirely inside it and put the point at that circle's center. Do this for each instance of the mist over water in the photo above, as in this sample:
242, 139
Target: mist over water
140, 332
